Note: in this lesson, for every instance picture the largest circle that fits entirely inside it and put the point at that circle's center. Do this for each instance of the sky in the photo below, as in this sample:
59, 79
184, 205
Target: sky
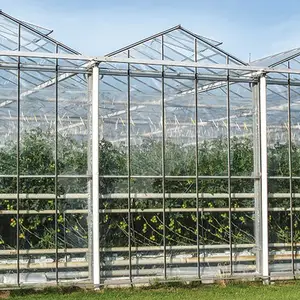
97, 27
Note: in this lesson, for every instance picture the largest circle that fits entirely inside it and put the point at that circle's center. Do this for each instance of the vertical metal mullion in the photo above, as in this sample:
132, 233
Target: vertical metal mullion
163, 162
18, 156
229, 166
56, 167
197, 161
129, 168
290, 171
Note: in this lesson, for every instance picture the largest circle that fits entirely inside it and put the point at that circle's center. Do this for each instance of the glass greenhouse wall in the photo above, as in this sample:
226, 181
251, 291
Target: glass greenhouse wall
169, 158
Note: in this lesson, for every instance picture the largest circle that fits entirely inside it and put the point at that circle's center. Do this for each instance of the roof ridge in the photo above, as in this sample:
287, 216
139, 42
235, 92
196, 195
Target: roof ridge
201, 36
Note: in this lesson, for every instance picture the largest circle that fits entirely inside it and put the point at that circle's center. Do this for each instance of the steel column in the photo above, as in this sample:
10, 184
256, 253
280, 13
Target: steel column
95, 177
264, 179
256, 174
89, 185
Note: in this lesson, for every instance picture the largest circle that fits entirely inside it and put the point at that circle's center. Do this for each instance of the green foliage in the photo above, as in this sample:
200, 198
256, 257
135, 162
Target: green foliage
37, 157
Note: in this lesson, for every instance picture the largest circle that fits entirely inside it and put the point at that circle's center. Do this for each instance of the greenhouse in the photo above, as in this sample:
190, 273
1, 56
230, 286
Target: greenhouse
167, 159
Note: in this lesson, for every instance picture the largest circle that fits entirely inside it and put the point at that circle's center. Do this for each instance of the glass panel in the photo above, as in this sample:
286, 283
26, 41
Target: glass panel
294, 64
74, 240
9, 36
180, 193
180, 128
33, 42
8, 122
212, 130
37, 128
148, 50
8, 230
279, 224
114, 238
241, 129
277, 127
113, 125
37, 227
73, 125
145, 128
181, 236
70, 63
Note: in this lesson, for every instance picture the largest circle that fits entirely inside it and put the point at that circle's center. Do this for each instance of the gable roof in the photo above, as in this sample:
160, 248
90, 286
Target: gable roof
10, 26
179, 44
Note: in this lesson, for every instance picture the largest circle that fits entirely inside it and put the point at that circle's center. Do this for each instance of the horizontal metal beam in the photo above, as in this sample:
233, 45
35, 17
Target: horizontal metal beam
179, 261
99, 59
12, 252
192, 247
45, 176
44, 196
144, 261
193, 195
115, 196
236, 257
44, 266
171, 177
43, 212
184, 76
125, 211
145, 210
43, 251
175, 195
43, 68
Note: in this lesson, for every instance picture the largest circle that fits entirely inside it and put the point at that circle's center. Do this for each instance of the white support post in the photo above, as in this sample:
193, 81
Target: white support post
95, 176
257, 174
264, 180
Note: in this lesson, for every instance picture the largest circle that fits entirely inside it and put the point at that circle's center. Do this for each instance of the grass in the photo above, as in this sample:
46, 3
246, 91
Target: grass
231, 291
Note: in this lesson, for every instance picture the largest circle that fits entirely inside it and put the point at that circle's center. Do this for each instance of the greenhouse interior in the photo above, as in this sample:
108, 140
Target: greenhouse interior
167, 159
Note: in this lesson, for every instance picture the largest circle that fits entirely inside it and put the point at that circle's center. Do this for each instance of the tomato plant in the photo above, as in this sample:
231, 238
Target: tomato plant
37, 157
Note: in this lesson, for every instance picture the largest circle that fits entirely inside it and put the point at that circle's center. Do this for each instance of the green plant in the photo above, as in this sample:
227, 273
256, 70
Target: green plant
37, 157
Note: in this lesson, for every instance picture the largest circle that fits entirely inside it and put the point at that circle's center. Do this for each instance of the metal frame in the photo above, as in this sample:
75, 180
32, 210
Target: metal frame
95, 175
194, 78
